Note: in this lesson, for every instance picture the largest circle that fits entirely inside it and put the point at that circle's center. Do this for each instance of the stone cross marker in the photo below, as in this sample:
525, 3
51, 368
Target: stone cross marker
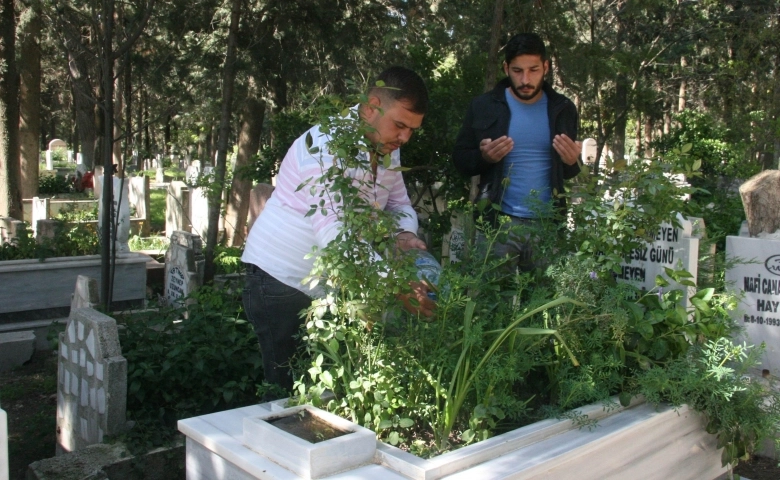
91, 381
184, 264
673, 247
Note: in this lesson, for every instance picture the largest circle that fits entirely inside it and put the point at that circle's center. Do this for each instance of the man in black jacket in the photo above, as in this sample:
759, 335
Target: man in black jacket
520, 138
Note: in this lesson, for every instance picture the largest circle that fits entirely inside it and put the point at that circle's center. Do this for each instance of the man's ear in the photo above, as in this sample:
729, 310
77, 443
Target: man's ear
546, 67
506, 68
371, 108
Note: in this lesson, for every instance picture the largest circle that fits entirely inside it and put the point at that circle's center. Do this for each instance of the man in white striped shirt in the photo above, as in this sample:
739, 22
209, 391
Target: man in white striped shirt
283, 235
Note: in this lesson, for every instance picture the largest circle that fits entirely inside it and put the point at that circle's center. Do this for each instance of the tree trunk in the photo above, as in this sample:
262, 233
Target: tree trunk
681, 100
248, 144
495, 36
119, 104
10, 194
127, 93
228, 81
83, 94
30, 102
621, 93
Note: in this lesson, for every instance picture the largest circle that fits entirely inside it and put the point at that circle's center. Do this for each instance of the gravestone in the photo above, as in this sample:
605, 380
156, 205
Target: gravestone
10, 228
192, 174
761, 199
184, 265
138, 195
46, 229
85, 294
756, 278
159, 175
672, 247
70, 156
91, 381
589, 151
55, 144
97, 179
199, 211
177, 207
40, 211
122, 213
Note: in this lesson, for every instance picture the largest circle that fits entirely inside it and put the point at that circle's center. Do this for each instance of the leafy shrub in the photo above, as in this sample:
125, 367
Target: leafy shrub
69, 240
719, 149
228, 259
54, 184
183, 362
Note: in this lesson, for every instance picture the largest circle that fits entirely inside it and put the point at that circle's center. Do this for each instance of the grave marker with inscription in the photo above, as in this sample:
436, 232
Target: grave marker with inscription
757, 278
673, 247
91, 381
184, 264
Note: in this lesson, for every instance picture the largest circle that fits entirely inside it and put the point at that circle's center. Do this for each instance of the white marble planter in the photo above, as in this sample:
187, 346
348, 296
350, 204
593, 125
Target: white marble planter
34, 285
640, 442
306, 459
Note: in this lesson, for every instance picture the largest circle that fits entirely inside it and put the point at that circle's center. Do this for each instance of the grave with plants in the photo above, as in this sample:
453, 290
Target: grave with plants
504, 348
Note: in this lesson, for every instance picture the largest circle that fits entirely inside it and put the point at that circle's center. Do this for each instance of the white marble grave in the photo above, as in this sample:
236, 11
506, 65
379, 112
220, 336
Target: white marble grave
637, 442
184, 265
138, 195
4, 474
673, 247
757, 280
91, 381
177, 208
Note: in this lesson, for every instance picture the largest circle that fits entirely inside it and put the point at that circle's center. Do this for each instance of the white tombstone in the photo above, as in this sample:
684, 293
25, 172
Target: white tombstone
69, 156
177, 207
79, 158
91, 381
184, 265
589, 151
199, 211
757, 278
159, 175
49, 160
40, 211
192, 174
673, 247
122, 214
97, 181
138, 189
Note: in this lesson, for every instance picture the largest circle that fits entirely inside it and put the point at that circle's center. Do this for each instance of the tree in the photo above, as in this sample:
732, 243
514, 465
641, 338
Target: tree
29, 98
10, 193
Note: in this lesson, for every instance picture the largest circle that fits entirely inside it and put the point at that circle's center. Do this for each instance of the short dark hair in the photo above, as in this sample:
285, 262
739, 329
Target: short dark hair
403, 84
525, 44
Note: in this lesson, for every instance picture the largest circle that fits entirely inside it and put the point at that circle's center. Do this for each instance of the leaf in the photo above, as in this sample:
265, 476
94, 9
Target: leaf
467, 436
625, 399
686, 148
705, 294
406, 422
696, 165
399, 169
394, 438
227, 395
387, 161
319, 360
385, 424
309, 140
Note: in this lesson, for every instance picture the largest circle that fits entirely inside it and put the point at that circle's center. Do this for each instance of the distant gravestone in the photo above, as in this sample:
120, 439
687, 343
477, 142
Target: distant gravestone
121, 192
40, 211
177, 207
184, 265
91, 381
55, 144
138, 195
70, 156
199, 211
192, 174
86, 293
756, 280
589, 151
761, 199
10, 228
673, 247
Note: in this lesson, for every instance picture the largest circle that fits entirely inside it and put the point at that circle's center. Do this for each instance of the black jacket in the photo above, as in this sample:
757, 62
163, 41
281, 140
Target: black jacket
488, 117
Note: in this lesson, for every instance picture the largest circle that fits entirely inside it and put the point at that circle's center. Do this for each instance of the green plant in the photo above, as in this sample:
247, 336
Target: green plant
228, 259
188, 361
49, 184
713, 379
69, 240
148, 243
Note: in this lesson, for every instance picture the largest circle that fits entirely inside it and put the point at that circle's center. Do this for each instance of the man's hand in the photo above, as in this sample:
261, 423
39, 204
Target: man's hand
495, 150
424, 305
407, 241
568, 149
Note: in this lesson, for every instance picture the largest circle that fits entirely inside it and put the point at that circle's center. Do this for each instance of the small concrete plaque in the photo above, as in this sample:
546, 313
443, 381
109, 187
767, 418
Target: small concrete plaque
184, 264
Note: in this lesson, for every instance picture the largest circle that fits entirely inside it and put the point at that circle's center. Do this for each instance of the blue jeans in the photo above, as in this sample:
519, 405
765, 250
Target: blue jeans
274, 310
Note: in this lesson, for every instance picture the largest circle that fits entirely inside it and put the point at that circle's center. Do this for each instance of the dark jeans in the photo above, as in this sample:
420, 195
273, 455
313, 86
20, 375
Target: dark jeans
274, 310
519, 245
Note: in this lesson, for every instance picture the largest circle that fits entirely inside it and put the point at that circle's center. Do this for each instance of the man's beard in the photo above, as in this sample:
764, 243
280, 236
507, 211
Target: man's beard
527, 96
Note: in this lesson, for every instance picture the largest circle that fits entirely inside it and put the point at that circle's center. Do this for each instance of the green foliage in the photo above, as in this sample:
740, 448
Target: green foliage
50, 184
228, 259
713, 379
69, 240
287, 125
148, 243
721, 152
188, 361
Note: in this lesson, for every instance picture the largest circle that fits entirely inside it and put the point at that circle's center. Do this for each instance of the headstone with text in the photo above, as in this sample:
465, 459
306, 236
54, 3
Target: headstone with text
672, 247
184, 266
756, 277
91, 381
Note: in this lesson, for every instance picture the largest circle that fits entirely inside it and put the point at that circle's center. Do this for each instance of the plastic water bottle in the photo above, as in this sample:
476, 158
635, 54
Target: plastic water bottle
428, 269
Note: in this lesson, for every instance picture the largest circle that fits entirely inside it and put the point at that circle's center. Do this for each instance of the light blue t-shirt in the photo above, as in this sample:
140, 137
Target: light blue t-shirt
528, 164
